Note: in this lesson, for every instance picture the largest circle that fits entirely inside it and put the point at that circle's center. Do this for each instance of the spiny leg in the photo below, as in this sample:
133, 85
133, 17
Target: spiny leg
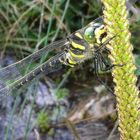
103, 63
96, 62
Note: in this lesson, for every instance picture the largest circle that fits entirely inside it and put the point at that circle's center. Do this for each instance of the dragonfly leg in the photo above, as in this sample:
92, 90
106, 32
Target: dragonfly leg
96, 65
105, 66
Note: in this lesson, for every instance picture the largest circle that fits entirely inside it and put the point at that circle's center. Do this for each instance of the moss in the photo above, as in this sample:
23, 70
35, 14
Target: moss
43, 121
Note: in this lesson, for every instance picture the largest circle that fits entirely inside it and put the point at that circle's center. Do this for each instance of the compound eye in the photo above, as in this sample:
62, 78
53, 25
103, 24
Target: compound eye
89, 35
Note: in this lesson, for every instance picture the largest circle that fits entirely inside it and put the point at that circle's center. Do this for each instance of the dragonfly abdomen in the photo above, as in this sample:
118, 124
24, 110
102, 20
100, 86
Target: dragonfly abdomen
76, 51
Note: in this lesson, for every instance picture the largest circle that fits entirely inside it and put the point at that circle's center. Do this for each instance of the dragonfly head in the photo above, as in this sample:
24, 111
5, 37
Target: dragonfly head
95, 33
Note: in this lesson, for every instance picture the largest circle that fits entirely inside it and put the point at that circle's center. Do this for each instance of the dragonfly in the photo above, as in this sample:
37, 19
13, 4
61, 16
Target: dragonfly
85, 43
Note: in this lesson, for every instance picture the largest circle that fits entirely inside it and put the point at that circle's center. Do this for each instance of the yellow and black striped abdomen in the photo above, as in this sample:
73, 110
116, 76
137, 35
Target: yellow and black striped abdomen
77, 49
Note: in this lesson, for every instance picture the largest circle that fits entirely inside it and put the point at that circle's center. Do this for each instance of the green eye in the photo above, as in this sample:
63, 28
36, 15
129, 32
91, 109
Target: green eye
89, 35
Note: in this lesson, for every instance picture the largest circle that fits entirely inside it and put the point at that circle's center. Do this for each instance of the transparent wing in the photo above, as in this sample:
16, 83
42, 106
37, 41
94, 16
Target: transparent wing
97, 20
6, 89
14, 71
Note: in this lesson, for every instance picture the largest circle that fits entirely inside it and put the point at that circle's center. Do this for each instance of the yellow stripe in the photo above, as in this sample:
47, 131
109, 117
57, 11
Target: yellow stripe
79, 35
75, 45
98, 41
71, 62
75, 55
104, 39
99, 31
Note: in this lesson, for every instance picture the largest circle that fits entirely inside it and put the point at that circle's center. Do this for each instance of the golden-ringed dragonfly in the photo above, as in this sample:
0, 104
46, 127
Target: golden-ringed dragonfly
79, 46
